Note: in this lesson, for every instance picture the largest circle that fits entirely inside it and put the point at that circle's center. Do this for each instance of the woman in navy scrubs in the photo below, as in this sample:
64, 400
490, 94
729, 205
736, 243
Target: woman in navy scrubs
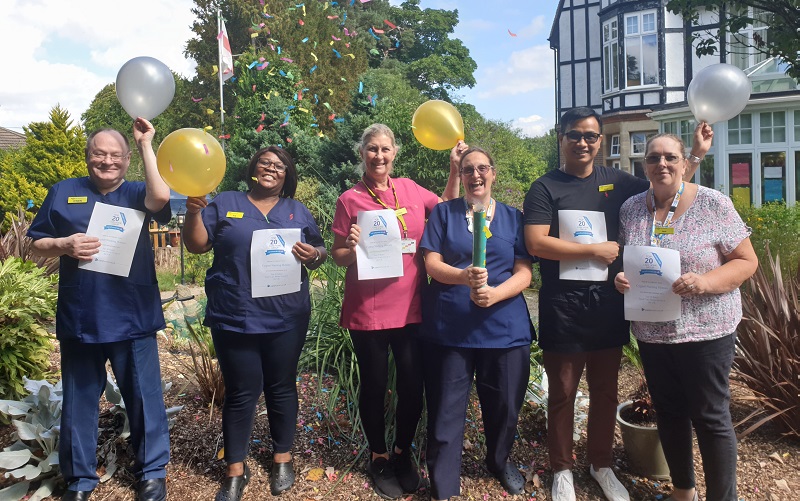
475, 323
257, 339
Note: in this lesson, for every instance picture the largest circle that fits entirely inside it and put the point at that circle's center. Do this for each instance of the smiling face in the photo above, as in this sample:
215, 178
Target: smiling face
269, 173
378, 154
477, 185
580, 153
665, 165
107, 160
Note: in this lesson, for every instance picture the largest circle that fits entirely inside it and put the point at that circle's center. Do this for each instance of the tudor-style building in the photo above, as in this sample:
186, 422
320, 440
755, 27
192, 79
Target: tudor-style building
632, 61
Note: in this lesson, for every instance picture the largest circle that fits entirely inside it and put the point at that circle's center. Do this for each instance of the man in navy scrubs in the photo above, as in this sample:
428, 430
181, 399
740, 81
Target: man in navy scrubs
105, 317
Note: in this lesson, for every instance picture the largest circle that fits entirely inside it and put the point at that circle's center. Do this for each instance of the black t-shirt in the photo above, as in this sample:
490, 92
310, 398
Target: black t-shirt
576, 315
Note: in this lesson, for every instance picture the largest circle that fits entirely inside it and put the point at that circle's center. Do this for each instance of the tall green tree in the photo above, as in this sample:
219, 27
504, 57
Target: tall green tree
53, 151
781, 16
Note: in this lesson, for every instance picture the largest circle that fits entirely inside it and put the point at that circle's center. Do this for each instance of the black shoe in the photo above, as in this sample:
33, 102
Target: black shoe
511, 479
281, 478
383, 478
406, 472
76, 495
233, 487
154, 489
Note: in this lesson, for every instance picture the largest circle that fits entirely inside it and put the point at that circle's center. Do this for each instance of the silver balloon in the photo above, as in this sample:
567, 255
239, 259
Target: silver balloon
145, 87
718, 93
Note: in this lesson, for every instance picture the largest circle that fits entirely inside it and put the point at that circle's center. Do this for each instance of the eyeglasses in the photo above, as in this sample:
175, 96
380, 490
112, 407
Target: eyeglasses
482, 169
575, 137
100, 156
269, 164
655, 159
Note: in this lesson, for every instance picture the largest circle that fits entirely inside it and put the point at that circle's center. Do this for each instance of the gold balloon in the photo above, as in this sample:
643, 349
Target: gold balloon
437, 125
191, 162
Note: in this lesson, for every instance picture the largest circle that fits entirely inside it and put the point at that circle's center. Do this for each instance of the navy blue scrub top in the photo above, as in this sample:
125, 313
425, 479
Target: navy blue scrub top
97, 307
231, 306
449, 317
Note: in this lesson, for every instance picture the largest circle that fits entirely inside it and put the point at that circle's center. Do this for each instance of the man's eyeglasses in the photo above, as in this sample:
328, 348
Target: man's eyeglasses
655, 159
269, 164
100, 156
575, 137
482, 169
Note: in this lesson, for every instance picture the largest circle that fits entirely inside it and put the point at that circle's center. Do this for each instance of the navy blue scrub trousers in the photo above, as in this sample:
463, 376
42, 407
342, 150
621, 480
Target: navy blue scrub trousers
501, 378
138, 374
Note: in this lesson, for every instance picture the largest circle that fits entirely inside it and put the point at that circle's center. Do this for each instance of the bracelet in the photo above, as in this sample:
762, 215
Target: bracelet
317, 257
694, 158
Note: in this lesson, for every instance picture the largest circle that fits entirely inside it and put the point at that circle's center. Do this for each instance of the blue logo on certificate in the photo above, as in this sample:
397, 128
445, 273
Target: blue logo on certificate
584, 228
379, 227
652, 265
276, 245
117, 223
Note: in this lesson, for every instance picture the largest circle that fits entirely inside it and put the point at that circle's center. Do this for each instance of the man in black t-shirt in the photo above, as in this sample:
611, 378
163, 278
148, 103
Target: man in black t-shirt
581, 318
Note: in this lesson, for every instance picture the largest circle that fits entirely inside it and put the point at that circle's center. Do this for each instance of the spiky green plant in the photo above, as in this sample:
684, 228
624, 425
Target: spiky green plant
15, 243
768, 347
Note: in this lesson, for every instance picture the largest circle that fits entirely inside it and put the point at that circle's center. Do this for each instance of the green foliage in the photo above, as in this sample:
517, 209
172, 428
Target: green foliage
27, 300
196, 265
114, 397
53, 151
780, 15
777, 226
34, 454
16, 243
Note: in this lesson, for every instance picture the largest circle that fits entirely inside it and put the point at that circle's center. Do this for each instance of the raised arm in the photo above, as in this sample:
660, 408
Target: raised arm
195, 236
701, 143
451, 191
157, 191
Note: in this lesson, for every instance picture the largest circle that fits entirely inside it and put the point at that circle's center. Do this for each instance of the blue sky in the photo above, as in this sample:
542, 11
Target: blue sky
65, 52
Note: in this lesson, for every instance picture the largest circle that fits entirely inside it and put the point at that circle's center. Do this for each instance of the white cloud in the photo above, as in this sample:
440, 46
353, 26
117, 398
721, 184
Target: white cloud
524, 71
536, 26
65, 52
532, 125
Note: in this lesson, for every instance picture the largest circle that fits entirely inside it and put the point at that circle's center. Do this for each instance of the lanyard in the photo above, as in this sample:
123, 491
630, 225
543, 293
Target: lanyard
397, 210
489, 214
655, 239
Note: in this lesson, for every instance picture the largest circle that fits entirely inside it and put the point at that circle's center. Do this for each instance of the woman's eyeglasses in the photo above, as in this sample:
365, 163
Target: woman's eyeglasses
269, 164
655, 159
482, 169
575, 137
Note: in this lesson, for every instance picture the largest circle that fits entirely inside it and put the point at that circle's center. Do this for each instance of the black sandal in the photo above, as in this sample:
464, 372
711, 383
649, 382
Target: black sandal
281, 477
233, 487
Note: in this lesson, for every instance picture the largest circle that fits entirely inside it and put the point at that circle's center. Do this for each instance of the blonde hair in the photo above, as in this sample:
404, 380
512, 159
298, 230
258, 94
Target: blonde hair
667, 135
370, 132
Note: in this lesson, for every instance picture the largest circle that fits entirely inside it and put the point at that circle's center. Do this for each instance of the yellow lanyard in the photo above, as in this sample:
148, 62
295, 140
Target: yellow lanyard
397, 210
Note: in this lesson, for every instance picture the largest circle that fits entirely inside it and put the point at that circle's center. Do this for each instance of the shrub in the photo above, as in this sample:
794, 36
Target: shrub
777, 226
768, 346
27, 300
14, 243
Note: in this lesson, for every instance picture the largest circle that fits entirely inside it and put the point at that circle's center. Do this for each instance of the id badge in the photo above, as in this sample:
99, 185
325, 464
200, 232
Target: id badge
408, 245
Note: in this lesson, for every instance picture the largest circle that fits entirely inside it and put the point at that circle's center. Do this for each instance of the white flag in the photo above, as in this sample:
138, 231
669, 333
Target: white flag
225, 54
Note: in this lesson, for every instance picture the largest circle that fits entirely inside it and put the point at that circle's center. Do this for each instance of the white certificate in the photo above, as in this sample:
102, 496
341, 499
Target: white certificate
379, 253
651, 272
274, 270
583, 227
118, 229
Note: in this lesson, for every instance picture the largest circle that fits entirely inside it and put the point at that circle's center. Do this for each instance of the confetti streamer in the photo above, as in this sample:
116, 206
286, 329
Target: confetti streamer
206, 128
260, 127
390, 25
253, 35
209, 111
376, 30
337, 53
313, 69
224, 136
301, 22
279, 50
287, 60
314, 56
196, 100
351, 55
303, 110
334, 37
512, 34
376, 37
374, 52
333, 17
360, 87
339, 120
304, 40
205, 147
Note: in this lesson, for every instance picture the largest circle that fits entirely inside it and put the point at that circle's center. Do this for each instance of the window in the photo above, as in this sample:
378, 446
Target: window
610, 56
773, 127
705, 172
741, 192
743, 47
797, 127
638, 143
683, 129
614, 146
615, 165
641, 49
773, 177
740, 129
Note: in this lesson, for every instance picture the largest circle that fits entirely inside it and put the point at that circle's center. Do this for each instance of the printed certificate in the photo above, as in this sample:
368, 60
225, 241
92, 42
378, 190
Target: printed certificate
583, 227
379, 253
118, 229
651, 272
274, 270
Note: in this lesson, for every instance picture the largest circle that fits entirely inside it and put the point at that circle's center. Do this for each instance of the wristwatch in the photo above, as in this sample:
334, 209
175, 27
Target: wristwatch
316, 258
694, 158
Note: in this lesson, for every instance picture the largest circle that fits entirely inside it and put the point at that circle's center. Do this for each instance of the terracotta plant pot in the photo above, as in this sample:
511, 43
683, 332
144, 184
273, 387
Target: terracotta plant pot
175, 241
643, 447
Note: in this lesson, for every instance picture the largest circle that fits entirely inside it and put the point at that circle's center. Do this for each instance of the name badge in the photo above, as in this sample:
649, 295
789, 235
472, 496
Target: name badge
77, 200
234, 215
605, 187
401, 211
408, 245
664, 231
487, 232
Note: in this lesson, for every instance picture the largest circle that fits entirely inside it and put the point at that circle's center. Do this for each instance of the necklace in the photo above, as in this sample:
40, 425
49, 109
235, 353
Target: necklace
657, 234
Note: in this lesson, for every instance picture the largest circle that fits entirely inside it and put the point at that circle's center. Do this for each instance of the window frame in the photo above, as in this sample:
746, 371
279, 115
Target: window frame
614, 144
637, 39
642, 143
611, 56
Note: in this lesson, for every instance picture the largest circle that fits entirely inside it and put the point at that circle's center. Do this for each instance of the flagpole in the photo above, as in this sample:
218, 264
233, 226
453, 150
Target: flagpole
221, 80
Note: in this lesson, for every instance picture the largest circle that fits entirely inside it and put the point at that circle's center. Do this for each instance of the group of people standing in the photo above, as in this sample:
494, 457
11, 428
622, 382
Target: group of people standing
466, 324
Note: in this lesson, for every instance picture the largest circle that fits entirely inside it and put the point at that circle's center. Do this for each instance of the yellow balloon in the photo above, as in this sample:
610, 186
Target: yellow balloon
191, 162
437, 125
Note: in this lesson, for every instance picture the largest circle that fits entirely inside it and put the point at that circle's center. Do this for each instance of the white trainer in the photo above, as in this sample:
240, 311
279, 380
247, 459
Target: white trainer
563, 488
612, 487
